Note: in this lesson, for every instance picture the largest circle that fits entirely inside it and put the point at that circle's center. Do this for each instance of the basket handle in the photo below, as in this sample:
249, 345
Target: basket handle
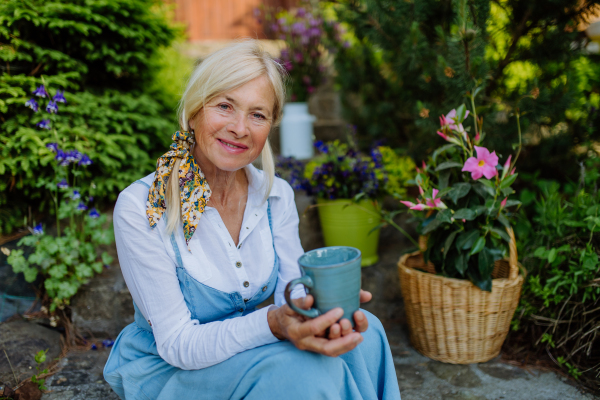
513, 256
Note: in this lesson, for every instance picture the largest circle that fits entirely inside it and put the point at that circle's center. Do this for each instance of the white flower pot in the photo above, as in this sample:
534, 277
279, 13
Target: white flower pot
296, 132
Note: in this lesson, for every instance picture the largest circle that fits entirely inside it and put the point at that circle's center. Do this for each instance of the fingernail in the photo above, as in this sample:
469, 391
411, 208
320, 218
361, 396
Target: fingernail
359, 317
339, 312
358, 339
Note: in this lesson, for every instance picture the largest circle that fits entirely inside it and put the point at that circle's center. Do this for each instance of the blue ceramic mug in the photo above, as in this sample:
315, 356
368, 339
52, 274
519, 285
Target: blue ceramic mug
332, 276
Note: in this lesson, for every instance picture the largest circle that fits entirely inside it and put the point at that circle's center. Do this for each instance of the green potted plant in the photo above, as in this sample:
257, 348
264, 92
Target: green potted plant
347, 185
462, 288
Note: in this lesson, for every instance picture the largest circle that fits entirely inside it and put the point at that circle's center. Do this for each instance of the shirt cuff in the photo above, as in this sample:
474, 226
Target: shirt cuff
260, 326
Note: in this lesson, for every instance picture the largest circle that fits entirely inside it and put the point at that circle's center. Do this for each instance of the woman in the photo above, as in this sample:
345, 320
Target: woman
207, 238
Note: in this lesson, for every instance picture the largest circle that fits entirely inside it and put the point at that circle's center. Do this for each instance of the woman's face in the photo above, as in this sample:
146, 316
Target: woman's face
231, 130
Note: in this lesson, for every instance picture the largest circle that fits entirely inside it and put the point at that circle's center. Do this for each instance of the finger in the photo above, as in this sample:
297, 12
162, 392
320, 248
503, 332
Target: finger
346, 327
361, 324
365, 296
319, 324
335, 331
304, 302
334, 348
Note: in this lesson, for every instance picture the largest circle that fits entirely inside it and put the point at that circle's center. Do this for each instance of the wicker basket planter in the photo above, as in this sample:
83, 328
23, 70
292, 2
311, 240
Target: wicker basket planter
452, 320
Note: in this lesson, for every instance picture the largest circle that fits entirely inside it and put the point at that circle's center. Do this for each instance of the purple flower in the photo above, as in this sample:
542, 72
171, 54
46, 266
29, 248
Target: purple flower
53, 147
314, 32
285, 54
107, 343
300, 12
94, 347
60, 155
40, 92
59, 97
81, 206
91, 199
288, 65
274, 27
52, 107
62, 184
38, 230
76, 195
85, 160
94, 213
346, 44
73, 156
298, 28
31, 103
298, 57
44, 124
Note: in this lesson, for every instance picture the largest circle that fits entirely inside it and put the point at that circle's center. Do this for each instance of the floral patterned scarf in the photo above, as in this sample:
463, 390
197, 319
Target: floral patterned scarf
193, 188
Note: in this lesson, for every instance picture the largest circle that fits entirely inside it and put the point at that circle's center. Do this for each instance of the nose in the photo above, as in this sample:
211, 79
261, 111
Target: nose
237, 126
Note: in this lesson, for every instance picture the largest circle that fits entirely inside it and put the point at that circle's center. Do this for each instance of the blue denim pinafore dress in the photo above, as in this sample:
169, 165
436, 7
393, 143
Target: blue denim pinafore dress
276, 371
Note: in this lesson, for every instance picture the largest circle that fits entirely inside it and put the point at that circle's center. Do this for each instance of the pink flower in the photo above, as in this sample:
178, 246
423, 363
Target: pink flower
507, 163
503, 203
476, 138
433, 202
452, 123
483, 165
413, 206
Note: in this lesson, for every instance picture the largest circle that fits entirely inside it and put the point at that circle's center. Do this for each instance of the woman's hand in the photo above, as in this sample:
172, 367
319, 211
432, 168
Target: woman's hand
309, 334
344, 327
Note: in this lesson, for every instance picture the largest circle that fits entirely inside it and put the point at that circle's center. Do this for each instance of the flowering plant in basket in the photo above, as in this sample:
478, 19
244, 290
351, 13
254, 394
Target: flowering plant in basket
464, 203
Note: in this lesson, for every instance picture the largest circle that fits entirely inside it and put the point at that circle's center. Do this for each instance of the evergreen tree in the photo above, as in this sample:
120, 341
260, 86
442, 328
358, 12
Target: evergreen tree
103, 55
412, 61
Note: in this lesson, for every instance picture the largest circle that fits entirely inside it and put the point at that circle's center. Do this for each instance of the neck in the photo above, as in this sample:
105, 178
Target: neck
224, 185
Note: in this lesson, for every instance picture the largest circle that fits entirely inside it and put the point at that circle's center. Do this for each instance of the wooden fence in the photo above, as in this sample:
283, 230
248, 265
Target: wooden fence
223, 19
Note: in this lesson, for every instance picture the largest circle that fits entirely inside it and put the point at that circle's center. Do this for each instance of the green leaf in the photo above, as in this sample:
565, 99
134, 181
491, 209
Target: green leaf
443, 180
458, 191
483, 191
509, 180
466, 239
448, 164
430, 227
503, 220
510, 203
461, 263
485, 263
478, 246
444, 216
502, 233
465, 213
441, 150
552, 255
487, 183
460, 113
448, 242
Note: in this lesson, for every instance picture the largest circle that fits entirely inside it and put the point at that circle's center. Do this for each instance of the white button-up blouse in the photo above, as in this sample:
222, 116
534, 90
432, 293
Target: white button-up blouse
149, 264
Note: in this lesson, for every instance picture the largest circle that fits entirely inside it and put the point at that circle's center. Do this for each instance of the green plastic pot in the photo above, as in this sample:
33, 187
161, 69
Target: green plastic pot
350, 224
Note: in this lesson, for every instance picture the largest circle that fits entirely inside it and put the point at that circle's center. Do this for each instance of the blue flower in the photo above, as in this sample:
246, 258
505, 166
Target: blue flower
94, 213
91, 199
60, 156
81, 206
62, 184
31, 103
85, 160
44, 124
53, 147
38, 230
107, 343
40, 91
59, 97
76, 195
73, 156
94, 347
52, 107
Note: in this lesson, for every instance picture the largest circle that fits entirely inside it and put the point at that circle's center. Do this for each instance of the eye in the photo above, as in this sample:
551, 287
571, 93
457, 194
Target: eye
259, 116
223, 106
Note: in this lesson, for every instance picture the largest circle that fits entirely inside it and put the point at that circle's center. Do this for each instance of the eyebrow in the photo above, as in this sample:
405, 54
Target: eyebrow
232, 100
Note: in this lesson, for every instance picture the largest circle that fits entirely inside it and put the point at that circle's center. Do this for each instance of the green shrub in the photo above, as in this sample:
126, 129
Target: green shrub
559, 240
106, 55
411, 61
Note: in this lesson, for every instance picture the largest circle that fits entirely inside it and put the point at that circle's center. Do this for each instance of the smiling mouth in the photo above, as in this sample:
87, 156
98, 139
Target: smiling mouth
233, 146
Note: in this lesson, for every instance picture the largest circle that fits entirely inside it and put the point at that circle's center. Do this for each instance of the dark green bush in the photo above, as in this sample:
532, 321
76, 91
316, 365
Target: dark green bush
411, 61
105, 54
559, 246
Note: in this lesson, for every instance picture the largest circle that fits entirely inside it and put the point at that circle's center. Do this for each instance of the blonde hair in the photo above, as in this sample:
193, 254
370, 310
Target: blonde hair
224, 70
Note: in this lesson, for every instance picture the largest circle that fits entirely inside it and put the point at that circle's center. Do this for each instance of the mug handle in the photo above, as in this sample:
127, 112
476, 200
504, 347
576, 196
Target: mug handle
307, 282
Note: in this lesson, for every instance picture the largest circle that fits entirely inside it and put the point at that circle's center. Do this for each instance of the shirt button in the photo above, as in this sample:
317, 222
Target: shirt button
238, 264
149, 323
246, 300
246, 284
264, 289
241, 310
